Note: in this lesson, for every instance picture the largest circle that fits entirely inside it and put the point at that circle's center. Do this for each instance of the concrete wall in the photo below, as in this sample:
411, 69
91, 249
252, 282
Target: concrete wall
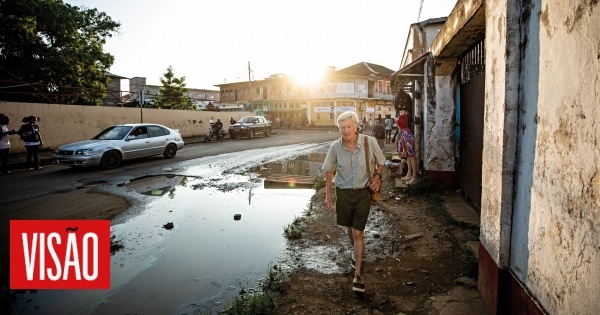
541, 185
439, 127
61, 124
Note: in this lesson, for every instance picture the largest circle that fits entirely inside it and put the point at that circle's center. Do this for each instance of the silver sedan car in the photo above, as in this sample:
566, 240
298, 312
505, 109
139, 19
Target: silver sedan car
121, 142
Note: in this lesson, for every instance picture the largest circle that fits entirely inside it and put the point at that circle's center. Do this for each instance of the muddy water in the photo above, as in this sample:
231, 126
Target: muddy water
207, 256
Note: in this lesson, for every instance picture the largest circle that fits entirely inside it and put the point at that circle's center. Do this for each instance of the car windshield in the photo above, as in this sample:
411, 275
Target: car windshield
247, 120
113, 133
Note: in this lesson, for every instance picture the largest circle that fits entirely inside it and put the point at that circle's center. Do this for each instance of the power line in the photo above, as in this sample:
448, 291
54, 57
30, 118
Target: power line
420, 8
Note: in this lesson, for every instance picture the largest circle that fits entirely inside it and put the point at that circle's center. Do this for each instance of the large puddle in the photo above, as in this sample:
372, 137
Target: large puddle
197, 242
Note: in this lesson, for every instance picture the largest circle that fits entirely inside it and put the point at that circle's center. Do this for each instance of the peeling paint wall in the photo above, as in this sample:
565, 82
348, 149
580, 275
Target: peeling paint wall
439, 126
564, 230
499, 127
541, 193
61, 124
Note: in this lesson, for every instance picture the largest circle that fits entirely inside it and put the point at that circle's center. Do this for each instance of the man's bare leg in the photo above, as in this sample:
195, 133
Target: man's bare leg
358, 243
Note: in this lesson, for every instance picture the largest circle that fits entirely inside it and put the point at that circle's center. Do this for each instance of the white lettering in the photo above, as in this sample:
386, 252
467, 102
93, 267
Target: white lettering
29, 256
53, 277
40, 244
86, 252
72, 258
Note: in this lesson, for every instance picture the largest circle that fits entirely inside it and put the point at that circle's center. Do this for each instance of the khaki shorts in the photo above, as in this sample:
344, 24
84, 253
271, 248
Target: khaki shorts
352, 207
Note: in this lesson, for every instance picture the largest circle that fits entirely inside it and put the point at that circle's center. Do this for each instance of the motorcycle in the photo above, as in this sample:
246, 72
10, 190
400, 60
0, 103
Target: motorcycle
214, 132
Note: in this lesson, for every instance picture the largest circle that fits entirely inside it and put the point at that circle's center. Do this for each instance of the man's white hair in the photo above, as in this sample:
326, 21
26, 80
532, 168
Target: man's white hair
347, 115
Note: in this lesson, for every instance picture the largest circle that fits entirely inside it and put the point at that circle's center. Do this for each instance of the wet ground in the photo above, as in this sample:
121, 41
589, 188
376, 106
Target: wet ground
413, 258
196, 236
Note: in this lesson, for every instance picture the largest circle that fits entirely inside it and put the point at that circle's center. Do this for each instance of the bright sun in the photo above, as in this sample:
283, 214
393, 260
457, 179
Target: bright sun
307, 76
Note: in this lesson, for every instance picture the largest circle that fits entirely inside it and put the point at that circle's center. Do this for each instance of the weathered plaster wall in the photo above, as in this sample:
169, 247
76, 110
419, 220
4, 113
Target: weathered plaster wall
500, 126
61, 124
564, 230
541, 185
439, 127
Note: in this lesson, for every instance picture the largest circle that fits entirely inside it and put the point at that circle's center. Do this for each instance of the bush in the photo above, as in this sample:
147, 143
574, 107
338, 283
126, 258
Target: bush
293, 231
260, 301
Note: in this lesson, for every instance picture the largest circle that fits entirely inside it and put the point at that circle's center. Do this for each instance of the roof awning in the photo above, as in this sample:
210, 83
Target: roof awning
410, 72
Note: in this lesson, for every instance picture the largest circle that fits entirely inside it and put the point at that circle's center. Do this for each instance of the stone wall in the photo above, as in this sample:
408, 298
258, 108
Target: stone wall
61, 124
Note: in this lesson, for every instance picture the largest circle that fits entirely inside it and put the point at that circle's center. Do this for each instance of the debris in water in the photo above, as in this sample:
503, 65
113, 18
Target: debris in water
168, 226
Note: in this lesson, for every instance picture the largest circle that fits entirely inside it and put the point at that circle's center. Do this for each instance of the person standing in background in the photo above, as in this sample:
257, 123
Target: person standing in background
32, 139
406, 147
379, 133
389, 122
4, 143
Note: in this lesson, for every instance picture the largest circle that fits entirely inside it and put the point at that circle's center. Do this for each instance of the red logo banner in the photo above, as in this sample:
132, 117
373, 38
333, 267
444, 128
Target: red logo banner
59, 254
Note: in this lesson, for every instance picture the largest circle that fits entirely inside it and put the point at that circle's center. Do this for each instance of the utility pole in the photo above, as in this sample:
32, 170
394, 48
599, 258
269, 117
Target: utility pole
142, 105
250, 87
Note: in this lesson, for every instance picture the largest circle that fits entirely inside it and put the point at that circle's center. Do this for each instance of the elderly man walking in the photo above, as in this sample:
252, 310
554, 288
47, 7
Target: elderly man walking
353, 185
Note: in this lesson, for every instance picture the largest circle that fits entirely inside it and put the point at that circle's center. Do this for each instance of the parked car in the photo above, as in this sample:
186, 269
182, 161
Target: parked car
250, 126
121, 142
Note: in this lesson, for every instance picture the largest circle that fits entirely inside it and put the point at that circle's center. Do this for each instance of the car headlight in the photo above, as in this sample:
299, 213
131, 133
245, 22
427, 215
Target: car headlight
84, 152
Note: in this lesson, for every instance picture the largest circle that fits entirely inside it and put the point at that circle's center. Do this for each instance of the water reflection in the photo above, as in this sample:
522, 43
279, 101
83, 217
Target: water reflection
298, 173
204, 260
157, 185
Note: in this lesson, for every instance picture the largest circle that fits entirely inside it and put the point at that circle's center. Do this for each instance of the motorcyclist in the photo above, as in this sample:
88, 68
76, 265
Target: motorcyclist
218, 125
216, 130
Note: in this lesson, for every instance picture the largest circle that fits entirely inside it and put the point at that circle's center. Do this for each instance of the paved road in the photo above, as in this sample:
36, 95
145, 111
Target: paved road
21, 186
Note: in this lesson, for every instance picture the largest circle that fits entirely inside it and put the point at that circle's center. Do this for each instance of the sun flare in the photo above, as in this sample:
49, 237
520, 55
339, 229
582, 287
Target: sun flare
307, 76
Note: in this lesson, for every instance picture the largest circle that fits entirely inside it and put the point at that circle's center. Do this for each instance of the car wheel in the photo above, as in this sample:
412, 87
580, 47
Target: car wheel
250, 134
268, 132
110, 160
170, 151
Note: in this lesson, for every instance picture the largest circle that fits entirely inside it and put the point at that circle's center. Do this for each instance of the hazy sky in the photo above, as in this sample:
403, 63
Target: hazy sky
211, 41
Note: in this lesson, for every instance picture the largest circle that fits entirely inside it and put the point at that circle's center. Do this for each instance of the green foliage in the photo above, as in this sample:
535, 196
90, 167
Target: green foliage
293, 231
422, 186
319, 183
52, 52
260, 301
275, 281
172, 92
468, 263
252, 304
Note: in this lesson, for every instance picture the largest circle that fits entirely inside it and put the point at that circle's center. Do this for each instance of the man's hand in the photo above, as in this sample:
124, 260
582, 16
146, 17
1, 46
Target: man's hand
329, 202
374, 183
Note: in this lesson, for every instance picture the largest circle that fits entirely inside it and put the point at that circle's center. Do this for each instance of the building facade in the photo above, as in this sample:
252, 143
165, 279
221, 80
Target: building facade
514, 84
199, 97
409, 84
363, 88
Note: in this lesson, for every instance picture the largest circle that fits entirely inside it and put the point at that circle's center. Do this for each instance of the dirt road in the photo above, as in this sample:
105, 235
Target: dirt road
413, 258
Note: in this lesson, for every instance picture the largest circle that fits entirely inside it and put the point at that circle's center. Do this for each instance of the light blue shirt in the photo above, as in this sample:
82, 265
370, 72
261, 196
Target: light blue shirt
350, 167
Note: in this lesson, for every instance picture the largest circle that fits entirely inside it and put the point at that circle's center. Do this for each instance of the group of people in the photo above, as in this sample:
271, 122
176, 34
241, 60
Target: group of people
354, 181
31, 137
